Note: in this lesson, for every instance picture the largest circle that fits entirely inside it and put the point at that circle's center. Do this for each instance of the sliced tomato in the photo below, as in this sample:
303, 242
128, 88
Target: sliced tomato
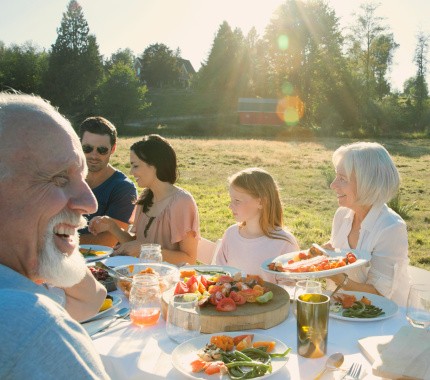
226, 304
198, 365
193, 284
249, 295
224, 278
351, 258
181, 288
204, 281
238, 338
238, 299
216, 297
214, 288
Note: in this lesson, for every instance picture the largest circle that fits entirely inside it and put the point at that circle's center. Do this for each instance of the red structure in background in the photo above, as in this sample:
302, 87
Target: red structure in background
258, 111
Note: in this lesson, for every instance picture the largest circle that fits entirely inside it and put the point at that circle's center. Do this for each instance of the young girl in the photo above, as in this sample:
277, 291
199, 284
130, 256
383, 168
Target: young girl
259, 233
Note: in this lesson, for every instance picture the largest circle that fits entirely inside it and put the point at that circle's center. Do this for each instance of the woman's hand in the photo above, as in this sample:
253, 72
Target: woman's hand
328, 246
100, 224
130, 248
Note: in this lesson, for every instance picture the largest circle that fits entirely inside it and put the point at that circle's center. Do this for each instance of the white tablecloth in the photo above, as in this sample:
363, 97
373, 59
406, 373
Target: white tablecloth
129, 352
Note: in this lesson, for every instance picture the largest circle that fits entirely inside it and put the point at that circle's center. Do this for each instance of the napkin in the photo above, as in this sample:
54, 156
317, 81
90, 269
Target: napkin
406, 355
93, 327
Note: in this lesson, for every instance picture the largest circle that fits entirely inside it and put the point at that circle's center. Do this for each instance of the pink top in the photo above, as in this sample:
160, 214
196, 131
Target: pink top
179, 217
249, 254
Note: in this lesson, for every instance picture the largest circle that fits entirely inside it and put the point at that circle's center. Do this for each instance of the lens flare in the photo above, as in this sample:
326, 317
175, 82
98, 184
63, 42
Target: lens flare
283, 42
290, 109
287, 88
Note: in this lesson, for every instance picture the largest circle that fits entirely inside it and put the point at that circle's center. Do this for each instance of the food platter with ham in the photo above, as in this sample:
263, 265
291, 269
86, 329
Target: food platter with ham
313, 263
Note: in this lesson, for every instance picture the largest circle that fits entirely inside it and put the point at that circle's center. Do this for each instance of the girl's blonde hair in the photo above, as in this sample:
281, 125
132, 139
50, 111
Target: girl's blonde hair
260, 184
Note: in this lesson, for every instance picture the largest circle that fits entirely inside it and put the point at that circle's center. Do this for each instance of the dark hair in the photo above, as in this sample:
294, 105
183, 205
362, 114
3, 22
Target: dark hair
100, 126
156, 151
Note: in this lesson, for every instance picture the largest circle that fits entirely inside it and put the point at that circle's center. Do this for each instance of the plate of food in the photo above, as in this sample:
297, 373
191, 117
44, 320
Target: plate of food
93, 252
315, 262
109, 304
361, 307
207, 270
201, 357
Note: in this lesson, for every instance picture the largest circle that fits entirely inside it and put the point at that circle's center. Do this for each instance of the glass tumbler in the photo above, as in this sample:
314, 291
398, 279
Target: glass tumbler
305, 286
183, 317
145, 300
418, 307
150, 253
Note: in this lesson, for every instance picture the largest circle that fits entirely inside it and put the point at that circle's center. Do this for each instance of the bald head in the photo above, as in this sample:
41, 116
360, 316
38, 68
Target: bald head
27, 120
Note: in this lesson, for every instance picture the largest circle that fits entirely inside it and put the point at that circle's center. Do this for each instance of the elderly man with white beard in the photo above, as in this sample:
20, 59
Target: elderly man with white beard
43, 195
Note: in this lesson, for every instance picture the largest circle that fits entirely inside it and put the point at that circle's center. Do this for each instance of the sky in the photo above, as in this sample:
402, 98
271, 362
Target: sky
191, 25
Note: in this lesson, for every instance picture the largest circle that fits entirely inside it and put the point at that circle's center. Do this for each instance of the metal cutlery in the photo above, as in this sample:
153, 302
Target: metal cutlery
121, 313
353, 372
111, 271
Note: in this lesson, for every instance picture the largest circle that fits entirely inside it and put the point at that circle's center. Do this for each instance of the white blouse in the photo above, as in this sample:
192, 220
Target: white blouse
383, 233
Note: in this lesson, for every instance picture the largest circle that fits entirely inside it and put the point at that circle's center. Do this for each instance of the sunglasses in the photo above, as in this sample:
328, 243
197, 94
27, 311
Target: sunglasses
100, 149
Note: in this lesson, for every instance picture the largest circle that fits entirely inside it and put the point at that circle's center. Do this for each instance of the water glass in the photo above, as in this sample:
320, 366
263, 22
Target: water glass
145, 300
418, 307
305, 286
312, 324
183, 317
150, 253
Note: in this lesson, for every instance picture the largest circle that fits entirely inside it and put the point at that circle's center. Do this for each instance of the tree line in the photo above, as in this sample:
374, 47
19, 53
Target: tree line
335, 82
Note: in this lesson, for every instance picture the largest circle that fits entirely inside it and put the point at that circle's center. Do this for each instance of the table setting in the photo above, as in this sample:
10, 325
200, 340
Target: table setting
159, 350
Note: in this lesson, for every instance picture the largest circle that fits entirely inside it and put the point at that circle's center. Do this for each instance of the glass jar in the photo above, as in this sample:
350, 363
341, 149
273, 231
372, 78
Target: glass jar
145, 300
150, 253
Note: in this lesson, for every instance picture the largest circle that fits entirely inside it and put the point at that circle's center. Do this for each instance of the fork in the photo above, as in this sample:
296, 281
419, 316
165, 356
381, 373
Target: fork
353, 372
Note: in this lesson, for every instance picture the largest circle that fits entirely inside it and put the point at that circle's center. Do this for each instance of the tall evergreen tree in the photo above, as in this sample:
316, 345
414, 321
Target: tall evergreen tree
421, 89
75, 65
159, 66
303, 57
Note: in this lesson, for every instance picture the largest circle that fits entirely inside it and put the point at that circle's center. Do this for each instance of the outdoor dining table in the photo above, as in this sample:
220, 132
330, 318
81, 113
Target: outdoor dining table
129, 352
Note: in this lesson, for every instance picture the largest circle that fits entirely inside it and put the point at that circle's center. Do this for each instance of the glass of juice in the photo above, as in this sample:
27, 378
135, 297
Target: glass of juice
145, 300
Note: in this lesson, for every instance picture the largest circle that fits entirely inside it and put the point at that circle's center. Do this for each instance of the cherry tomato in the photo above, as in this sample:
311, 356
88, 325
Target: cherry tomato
181, 288
238, 299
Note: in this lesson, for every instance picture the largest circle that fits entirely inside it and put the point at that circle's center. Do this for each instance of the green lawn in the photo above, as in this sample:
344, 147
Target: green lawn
302, 169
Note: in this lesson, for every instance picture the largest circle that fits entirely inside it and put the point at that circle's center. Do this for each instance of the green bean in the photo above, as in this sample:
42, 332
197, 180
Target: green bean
360, 310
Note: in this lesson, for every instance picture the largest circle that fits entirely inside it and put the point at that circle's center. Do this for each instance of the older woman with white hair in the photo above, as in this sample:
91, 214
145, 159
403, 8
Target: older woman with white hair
366, 179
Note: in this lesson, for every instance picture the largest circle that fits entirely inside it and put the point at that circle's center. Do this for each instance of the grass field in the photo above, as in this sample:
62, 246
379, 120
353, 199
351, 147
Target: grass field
303, 170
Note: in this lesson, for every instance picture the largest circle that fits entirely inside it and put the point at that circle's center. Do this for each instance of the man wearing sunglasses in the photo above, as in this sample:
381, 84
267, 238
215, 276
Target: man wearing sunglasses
115, 192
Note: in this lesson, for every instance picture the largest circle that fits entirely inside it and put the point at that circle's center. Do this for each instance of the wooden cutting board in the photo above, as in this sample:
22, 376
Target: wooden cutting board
246, 316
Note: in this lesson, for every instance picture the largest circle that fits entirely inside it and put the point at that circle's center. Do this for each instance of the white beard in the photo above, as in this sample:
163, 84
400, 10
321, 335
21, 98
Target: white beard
55, 267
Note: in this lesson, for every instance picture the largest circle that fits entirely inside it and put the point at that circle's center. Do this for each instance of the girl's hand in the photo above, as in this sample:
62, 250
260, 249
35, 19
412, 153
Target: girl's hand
100, 224
130, 248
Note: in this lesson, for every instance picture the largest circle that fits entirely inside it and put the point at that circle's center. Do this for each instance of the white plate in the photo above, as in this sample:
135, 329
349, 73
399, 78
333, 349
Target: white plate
230, 271
106, 251
362, 258
117, 261
389, 307
115, 302
186, 352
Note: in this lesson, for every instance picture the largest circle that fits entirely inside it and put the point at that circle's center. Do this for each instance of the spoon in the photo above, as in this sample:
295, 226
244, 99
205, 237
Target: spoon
333, 362
111, 271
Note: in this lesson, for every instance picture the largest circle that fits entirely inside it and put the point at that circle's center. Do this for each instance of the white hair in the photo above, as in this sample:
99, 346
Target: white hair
15, 108
377, 177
